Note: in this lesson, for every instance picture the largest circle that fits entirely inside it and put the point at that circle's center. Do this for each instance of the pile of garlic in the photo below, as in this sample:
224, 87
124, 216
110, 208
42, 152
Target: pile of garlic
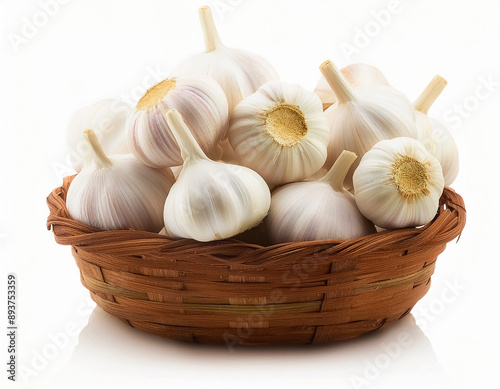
259, 159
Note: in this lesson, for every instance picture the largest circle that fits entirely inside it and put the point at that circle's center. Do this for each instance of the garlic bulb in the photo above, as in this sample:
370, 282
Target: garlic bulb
211, 200
238, 72
434, 135
363, 117
203, 105
107, 118
280, 132
118, 192
398, 184
317, 210
358, 75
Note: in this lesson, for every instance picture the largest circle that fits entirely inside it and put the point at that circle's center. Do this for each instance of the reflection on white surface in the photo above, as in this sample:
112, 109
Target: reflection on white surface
112, 354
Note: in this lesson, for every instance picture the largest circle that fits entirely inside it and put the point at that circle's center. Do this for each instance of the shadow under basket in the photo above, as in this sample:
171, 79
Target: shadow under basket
244, 294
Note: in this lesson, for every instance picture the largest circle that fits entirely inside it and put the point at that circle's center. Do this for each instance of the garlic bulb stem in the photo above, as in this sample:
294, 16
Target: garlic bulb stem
188, 145
430, 94
101, 159
337, 82
336, 175
212, 39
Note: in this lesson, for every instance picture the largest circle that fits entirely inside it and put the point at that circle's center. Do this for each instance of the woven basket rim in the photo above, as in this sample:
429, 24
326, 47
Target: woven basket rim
445, 227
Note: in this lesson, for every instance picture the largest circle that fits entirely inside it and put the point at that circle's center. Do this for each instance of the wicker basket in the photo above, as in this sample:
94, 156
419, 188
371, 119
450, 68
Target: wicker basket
237, 293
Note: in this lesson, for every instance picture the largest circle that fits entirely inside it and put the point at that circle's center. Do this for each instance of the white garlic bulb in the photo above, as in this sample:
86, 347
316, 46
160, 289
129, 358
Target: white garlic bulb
211, 200
280, 131
317, 210
107, 118
358, 75
238, 72
203, 105
363, 117
434, 135
398, 184
118, 192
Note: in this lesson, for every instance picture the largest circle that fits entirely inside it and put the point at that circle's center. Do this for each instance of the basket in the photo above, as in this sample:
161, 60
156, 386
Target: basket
244, 294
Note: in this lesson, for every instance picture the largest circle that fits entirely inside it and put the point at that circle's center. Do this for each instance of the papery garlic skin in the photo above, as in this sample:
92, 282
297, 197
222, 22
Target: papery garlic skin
433, 134
119, 193
107, 118
317, 210
238, 72
358, 75
363, 117
281, 132
211, 200
398, 184
318, 175
202, 103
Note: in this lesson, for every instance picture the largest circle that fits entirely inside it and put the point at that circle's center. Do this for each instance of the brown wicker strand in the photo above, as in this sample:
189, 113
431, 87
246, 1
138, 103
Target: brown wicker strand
245, 294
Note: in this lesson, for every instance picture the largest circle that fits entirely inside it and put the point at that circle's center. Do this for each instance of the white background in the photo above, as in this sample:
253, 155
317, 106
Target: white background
87, 50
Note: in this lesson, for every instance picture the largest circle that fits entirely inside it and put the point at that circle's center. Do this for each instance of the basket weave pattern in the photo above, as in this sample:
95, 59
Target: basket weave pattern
238, 293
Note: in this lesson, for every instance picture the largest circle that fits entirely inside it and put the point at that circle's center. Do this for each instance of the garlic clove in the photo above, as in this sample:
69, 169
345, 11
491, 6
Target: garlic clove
107, 117
118, 192
280, 132
433, 134
202, 103
317, 210
398, 184
238, 72
211, 200
363, 117
358, 75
